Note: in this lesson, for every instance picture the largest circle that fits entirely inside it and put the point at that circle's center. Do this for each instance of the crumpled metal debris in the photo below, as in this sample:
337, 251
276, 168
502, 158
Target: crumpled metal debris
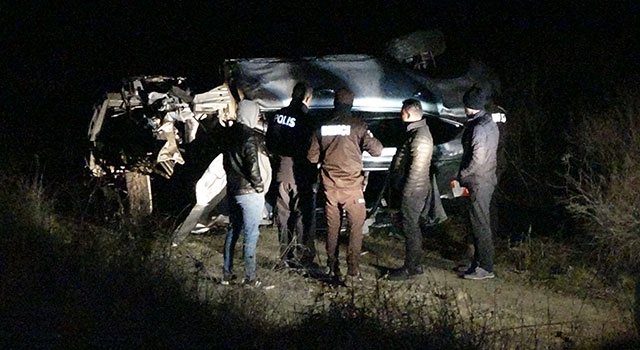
140, 129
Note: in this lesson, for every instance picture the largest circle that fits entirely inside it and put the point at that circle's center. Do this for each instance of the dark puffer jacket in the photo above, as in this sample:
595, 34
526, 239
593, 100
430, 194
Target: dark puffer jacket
410, 166
480, 144
242, 151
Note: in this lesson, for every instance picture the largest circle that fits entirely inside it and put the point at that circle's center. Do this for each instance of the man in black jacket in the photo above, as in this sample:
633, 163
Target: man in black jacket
478, 173
248, 174
410, 175
288, 137
337, 146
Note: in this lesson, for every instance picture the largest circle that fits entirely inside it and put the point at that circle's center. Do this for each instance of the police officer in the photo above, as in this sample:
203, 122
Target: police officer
337, 147
288, 137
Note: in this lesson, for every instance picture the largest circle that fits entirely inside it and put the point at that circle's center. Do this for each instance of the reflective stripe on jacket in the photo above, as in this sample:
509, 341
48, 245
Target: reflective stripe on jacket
338, 146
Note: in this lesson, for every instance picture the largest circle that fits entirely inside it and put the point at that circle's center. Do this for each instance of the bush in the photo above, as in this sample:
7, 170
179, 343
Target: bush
602, 180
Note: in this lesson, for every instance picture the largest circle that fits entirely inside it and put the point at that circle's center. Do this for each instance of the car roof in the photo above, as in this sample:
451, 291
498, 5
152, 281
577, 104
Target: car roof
379, 84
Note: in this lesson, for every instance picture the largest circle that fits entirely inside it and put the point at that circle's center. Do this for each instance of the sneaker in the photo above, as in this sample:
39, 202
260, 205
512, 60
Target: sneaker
255, 283
463, 269
405, 273
200, 229
479, 274
227, 279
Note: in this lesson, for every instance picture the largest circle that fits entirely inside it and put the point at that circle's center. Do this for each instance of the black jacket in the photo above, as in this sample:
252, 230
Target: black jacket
411, 163
480, 144
289, 131
241, 162
288, 137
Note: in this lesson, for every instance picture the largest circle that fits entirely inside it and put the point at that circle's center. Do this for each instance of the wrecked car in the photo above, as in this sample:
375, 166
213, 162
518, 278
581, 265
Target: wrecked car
137, 133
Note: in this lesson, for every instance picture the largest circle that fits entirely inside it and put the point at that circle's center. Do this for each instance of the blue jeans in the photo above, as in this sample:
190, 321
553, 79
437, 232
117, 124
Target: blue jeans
245, 212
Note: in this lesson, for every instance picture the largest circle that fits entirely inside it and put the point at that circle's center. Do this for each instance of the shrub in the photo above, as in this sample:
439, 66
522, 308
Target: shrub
602, 180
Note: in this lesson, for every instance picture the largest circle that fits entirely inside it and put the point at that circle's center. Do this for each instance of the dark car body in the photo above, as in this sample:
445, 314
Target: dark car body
379, 84
133, 134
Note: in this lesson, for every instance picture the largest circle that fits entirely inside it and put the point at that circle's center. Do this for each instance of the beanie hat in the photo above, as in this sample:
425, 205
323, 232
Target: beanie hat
344, 96
475, 98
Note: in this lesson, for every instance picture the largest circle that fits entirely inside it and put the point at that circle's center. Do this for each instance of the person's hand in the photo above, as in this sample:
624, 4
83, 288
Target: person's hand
458, 190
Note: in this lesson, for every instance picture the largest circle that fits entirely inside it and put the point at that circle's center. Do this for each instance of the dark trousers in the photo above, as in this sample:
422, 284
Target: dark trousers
479, 219
412, 208
352, 202
293, 208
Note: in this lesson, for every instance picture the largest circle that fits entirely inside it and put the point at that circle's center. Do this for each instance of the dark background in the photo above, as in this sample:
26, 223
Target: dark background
60, 58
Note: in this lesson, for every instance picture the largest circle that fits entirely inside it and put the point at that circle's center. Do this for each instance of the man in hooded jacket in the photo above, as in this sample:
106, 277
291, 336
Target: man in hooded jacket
248, 175
478, 173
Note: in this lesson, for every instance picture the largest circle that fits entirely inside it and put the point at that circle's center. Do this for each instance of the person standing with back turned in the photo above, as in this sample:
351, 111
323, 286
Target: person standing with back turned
248, 175
337, 147
288, 137
478, 173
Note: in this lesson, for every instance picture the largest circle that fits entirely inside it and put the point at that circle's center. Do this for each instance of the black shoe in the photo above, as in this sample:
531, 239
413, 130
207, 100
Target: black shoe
333, 273
228, 279
405, 273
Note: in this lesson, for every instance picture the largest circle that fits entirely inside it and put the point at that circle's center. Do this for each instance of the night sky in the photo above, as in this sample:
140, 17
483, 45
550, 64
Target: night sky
59, 60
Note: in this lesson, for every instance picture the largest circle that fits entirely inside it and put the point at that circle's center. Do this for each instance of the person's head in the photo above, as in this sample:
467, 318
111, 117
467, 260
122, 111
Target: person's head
343, 97
248, 112
474, 100
302, 92
411, 110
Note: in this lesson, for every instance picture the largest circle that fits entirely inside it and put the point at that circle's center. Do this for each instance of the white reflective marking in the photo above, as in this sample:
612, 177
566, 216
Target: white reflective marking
335, 130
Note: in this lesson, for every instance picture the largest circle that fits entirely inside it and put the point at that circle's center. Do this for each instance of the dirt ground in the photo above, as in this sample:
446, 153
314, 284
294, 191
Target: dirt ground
506, 306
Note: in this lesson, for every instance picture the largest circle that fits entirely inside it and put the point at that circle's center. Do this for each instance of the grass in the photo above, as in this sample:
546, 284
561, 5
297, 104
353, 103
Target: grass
71, 284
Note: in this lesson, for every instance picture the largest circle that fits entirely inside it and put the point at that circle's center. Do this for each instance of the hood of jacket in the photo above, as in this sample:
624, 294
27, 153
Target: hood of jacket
248, 112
